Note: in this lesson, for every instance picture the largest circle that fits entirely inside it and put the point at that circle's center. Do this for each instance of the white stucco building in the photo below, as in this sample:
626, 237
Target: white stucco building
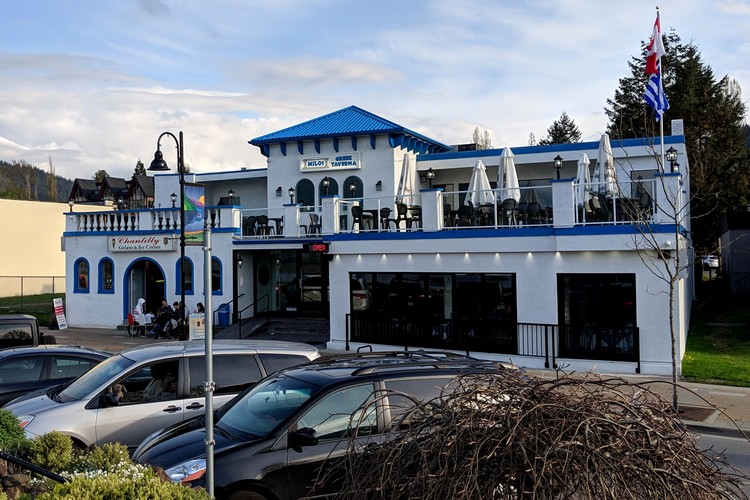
565, 274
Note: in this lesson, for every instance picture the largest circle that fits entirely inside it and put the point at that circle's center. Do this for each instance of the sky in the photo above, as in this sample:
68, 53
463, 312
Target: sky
91, 85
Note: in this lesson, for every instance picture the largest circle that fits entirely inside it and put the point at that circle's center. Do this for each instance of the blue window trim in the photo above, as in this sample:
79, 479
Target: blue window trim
178, 275
217, 261
77, 282
100, 276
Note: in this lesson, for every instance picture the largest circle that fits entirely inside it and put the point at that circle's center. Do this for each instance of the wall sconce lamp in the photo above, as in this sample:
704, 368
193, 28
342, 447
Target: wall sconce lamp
240, 260
352, 189
70, 204
291, 195
558, 164
326, 184
379, 186
173, 197
671, 155
278, 191
231, 196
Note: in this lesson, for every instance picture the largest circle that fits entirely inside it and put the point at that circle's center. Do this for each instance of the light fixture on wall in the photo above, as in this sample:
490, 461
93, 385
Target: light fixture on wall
278, 191
240, 260
352, 189
558, 164
379, 186
326, 184
291, 195
430, 176
671, 155
120, 204
173, 197
231, 196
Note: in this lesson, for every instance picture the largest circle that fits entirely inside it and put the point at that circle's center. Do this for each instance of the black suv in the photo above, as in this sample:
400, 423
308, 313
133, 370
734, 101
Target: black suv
273, 441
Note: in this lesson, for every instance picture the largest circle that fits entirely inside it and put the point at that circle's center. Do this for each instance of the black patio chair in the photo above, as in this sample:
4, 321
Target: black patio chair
385, 218
359, 217
508, 213
415, 219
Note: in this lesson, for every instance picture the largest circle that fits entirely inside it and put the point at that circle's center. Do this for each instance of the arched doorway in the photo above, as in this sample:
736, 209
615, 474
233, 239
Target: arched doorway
144, 278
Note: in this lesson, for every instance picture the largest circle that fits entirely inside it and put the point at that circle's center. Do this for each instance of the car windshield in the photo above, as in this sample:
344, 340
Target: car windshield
86, 384
264, 407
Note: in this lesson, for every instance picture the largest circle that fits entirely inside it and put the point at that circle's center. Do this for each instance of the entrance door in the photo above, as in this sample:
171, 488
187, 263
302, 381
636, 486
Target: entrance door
145, 280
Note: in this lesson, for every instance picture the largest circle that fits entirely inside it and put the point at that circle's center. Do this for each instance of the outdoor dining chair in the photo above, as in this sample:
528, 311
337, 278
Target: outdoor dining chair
360, 218
508, 214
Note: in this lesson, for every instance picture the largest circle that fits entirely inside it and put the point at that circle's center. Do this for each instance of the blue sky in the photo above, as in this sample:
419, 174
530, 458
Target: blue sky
91, 85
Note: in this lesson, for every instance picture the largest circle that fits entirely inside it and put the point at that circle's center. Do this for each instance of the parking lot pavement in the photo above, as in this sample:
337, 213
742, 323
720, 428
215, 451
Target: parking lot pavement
733, 403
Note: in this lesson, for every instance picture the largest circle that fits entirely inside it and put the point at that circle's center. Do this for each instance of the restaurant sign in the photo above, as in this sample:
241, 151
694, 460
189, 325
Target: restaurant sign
338, 162
143, 244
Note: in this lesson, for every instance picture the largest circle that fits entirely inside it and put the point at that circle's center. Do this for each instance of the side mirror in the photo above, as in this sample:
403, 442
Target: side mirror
302, 437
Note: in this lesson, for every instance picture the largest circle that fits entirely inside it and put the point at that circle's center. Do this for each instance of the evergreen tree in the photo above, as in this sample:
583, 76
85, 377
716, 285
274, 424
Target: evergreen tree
713, 117
562, 131
139, 168
482, 139
100, 175
51, 182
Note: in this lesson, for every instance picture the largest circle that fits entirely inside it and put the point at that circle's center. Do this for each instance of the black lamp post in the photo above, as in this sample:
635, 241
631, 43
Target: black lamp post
352, 189
291, 195
558, 164
70, 204
159, 165
173, 197
231, 196
672, 159
326, 184
430, 176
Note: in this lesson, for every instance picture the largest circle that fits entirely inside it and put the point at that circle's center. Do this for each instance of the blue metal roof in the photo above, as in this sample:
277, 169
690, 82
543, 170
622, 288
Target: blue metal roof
551, 148
350, 122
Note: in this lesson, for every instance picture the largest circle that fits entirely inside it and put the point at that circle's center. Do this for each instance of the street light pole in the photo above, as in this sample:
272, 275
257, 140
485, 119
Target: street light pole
159, 165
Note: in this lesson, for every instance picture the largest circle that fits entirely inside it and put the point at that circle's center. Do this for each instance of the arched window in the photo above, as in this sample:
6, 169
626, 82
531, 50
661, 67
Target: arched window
305, 192
216, 276
81, 271
106, 276
189, 289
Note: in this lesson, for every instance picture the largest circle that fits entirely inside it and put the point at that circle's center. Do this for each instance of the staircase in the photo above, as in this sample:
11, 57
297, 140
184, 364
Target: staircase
309, 331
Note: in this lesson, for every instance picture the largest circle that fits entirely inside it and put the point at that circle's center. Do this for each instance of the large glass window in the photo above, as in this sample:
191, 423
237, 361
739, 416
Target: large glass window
598, 315
215, 276
188, 268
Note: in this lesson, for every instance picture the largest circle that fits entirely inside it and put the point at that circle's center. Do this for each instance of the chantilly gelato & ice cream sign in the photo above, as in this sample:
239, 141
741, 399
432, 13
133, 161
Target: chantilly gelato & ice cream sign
142, 244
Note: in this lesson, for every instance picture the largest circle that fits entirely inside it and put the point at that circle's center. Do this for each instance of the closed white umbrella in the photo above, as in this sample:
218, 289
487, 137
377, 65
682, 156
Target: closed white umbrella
507, 177
480, 190
407, 181
605, 174
583, 180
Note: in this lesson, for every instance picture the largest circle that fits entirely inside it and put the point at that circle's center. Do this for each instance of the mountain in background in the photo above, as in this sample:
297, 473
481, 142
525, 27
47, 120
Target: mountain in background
23, 181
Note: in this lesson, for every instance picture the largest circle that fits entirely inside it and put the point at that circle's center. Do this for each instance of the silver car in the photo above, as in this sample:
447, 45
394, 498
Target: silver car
138, 391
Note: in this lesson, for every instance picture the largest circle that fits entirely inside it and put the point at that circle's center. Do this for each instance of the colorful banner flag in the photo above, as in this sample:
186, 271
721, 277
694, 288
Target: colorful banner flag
654, 94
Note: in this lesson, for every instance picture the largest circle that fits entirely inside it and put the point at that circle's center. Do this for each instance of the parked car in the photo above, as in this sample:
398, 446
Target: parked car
28, 369
710, 262
19, 330
141, 390
272, 440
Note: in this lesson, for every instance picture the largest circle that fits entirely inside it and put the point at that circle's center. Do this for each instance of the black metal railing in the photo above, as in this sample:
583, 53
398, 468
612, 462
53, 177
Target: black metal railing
494, 336
261, 305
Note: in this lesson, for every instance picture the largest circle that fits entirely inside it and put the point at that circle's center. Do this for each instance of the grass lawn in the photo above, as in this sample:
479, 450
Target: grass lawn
718, 345
35, 305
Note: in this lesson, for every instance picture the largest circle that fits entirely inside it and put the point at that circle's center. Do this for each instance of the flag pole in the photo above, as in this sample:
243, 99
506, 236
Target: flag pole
661, 120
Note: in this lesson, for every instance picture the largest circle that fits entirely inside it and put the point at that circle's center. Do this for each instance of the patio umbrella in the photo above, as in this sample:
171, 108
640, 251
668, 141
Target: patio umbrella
507, 177
583, 180
605, 174
480, 190
407, 181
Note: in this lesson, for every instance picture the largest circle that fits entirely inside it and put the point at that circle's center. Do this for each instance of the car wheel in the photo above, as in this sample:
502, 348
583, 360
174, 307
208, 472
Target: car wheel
246, 495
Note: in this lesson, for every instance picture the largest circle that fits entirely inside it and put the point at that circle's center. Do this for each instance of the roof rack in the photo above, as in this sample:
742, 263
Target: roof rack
370, 362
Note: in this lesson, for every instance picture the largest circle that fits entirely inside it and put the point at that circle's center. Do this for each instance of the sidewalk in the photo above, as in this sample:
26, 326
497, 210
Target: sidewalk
733, 403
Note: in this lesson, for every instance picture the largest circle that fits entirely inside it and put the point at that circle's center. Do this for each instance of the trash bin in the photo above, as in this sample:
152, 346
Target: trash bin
223, 315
